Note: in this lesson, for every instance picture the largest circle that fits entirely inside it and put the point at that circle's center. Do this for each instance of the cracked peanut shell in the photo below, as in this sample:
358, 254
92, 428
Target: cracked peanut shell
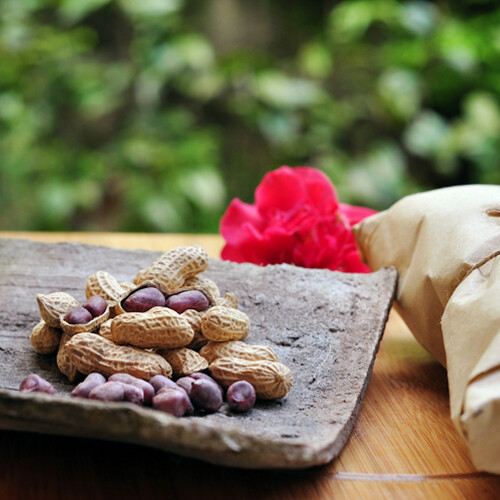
204, 285
105, 285
55, 304
92, 326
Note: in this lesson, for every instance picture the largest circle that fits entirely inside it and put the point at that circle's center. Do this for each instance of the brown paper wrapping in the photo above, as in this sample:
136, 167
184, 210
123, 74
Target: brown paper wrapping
446, 247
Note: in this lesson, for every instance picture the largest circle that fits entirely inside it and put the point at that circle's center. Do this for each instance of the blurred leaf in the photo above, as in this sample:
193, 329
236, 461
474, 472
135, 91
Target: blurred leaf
419, 17
350, 20
150, 7
315, 60
482, 112
11, 106
204, 188
162, 214
426, 134
378, 176
279, 127
400, 90
459, 46
280, 90
150, 115
56, 202
73, 11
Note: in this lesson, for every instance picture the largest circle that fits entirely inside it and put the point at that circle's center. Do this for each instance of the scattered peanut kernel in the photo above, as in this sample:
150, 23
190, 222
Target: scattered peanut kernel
35, 383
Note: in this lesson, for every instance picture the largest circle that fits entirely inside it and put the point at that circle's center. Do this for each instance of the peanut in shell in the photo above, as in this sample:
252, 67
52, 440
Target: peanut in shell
221, 323
160, 328
89, 353
271, 379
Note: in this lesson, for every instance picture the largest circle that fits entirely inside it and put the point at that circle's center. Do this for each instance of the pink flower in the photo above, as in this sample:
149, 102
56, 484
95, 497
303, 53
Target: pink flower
296, 219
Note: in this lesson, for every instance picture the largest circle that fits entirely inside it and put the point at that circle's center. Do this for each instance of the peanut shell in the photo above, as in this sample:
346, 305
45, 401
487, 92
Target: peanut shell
44, 338
221, 323
204, 285
127, 286
228, 300
160, 327
173, 268
271, 380
105, 329
184, 361
105, 285
194, 318
91, 326
64, 362
53, 305
237, 349
92, 353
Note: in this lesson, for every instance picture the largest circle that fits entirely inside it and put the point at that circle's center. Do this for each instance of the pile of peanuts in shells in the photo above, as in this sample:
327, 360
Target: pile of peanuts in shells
167, 340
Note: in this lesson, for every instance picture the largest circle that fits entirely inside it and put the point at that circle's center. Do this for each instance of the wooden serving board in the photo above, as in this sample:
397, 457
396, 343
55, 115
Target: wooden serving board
325, 326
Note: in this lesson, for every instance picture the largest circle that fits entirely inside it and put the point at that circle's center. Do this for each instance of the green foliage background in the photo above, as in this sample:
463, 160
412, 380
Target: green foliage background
151, 115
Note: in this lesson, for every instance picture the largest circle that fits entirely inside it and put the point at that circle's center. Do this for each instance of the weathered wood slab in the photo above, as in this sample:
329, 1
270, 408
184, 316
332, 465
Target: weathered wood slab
325, 326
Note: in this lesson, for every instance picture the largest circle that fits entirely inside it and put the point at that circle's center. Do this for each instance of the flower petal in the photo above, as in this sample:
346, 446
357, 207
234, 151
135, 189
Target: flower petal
319, 188
355, 214
296, 219
232, 223
280, 191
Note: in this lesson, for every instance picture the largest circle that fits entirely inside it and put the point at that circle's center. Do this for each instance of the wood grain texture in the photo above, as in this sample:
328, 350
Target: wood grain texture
403, 444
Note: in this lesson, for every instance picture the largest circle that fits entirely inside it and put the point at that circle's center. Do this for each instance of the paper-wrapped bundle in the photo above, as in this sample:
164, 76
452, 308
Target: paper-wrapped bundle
445, 245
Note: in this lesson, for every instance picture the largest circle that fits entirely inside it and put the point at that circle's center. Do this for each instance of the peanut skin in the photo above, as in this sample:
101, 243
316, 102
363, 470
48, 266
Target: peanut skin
173, 401
82, 390
205, 395
117, 391
78, 316
132, 394
143, 300
110, 391
95, 305
190, 299
35, 383
204, 376
160, 381
185, 383
240, 396
147, 389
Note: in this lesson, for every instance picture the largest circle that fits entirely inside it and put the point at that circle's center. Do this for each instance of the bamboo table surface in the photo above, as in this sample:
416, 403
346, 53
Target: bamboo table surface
403, 444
